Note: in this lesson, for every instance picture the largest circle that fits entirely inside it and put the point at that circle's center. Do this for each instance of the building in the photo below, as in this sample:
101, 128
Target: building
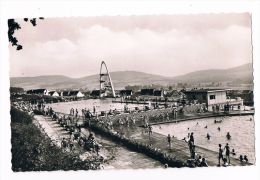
54, 93
213, 98
147, 92
76, 94
152, 94
174, 95
72, 94
38, 92
126, 93
96, 93
159, 93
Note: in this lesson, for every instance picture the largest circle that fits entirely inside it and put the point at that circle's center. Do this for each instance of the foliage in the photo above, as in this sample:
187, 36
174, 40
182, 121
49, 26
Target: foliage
14, 26
33, 98
16, 90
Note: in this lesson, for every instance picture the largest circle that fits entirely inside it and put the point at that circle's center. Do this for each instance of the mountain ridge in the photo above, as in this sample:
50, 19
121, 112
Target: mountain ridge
120, 79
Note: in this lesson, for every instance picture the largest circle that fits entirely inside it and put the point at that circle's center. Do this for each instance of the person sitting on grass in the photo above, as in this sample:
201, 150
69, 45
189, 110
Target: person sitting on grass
64, 143
245, 158
204, 163
198, 161
241, 158
225, 163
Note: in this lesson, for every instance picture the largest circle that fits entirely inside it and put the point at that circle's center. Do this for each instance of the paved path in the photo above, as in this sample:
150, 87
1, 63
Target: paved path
119, 157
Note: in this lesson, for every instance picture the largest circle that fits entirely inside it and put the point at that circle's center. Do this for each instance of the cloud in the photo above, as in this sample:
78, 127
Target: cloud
143, 47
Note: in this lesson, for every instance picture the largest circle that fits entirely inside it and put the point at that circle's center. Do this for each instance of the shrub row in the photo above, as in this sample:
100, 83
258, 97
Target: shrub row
132, 144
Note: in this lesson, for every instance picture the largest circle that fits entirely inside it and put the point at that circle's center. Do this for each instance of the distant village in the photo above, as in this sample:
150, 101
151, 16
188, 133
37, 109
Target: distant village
210, 97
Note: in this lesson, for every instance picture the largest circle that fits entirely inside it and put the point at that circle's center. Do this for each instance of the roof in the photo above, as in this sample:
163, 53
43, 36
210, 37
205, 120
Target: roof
73, 93
95, 93
157, 92
174, 93
52, 92
37, 91
147, 92
65, 93
205, 90
126, 92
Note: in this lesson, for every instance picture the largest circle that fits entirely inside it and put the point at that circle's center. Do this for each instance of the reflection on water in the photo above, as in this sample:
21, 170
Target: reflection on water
240, 128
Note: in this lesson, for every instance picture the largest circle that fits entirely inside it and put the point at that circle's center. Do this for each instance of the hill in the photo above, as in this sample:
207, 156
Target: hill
240, 74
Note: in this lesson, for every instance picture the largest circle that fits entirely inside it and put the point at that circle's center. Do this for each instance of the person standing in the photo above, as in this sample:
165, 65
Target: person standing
169, 140
150, 131
94, 110
192, 138
220, 154
227, 148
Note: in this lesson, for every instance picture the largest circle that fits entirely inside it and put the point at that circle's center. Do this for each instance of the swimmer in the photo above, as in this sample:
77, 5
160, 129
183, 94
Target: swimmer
218, 128
197, 123
206, 127
233, 152
228, 136
208, 136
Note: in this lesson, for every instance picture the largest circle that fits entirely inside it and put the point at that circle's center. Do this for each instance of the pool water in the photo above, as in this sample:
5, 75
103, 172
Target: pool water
241, 129
100, 105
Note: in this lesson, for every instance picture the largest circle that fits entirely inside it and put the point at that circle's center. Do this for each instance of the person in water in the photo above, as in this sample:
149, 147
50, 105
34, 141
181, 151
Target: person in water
233, 152
218, 128
208, 136
228, 136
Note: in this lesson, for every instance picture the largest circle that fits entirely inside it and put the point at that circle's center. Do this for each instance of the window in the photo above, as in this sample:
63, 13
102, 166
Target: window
212, 97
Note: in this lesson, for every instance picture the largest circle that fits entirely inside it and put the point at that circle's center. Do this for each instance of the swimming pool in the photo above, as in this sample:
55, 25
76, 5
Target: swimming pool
100, 105
241, 129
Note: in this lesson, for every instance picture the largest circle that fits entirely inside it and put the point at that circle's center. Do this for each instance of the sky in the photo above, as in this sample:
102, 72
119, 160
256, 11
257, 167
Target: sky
167, 45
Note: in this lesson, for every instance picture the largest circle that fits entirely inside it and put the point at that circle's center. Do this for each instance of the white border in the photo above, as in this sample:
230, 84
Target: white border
15, 9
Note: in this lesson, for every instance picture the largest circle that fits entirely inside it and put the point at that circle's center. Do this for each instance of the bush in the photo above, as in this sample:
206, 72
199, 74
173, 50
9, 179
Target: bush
18, 116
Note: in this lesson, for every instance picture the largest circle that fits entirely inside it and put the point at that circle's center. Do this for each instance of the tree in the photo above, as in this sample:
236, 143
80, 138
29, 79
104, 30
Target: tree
14, 26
